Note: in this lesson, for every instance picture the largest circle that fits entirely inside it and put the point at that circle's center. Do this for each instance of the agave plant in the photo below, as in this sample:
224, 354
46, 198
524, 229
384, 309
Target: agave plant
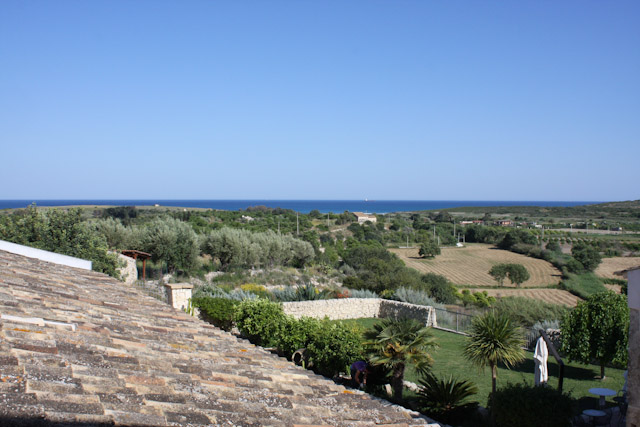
446, 399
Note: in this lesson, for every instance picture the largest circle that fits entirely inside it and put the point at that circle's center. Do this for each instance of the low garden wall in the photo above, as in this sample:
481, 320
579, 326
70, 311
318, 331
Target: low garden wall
355, 308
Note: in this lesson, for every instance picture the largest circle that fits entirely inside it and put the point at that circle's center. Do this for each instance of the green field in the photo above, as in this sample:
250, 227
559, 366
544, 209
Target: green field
448, 360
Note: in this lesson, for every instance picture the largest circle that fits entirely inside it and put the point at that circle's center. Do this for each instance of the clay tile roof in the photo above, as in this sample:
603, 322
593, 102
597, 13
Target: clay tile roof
78, 348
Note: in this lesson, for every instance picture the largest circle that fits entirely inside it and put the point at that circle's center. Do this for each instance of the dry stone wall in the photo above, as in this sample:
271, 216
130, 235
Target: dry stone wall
354, 308
129, 272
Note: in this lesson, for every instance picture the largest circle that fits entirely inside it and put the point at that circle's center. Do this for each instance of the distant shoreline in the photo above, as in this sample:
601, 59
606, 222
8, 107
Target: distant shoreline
302, 206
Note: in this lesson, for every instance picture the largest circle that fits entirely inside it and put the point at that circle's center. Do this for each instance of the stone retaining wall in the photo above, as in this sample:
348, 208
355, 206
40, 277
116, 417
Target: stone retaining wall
129, 272
354, 308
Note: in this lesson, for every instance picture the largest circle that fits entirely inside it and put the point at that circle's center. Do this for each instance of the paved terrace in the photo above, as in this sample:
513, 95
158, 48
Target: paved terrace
78, 348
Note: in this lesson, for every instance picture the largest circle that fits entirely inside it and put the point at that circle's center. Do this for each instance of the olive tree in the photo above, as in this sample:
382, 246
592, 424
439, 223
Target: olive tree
597, 329
516, 273
586, 255
172, 241
429, 249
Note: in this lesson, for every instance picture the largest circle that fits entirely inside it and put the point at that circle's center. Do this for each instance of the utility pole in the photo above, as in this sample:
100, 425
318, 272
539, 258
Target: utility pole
297, 225
327, 219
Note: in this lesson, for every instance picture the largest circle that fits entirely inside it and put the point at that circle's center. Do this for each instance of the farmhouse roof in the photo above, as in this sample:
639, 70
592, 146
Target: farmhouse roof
78, 348
624, 272
363, 215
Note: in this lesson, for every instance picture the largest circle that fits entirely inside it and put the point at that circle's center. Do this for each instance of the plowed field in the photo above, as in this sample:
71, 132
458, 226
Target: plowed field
470, 265
611, 265
553, 296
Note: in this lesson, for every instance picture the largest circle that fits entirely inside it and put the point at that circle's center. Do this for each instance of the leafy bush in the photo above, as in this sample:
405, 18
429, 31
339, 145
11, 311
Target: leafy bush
514, 237
439, 288
59, 231
333, 346
553, 246
171, 241
586, 255
260, 320
218, 311
295, 334
527, 312
477, 299
526, 406
447, 400
598, 329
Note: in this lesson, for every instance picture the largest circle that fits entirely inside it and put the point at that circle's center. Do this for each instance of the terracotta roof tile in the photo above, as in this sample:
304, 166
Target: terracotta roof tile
78, 348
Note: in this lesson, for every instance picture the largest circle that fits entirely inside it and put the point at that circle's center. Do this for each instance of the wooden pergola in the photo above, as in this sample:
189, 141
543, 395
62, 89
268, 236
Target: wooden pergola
138, 254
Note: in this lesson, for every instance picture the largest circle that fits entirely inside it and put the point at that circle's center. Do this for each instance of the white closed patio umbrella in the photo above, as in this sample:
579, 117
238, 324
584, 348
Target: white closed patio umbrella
540, 357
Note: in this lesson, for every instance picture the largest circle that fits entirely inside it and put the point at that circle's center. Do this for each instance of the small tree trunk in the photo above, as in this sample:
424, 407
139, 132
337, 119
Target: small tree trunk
397, 380
602, 377
494, 375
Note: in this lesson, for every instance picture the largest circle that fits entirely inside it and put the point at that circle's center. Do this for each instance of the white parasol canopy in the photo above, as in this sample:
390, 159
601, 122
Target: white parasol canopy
540, 357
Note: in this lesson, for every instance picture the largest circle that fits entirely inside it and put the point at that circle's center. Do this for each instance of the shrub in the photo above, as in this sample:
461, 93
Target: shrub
218, 311
439, 288
516, 404
295, 334
255, 289
598, 329
363, 293
477, 299
287, 293
218, 292
553, 246
446, 399
586, 255
260, 320
333, 346
415, 297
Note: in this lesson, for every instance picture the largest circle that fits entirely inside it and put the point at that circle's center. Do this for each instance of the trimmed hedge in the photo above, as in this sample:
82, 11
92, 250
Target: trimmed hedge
260, 320
218, 311
330, 346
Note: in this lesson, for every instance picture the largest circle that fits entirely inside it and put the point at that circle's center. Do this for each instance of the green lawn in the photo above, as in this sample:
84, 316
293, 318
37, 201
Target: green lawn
448, 360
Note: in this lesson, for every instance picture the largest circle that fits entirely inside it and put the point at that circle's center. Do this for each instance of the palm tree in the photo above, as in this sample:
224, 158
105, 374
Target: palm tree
395, 343
494, 339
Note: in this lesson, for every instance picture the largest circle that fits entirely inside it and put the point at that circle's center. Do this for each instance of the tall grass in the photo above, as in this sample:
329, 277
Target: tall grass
582, 285
527, 311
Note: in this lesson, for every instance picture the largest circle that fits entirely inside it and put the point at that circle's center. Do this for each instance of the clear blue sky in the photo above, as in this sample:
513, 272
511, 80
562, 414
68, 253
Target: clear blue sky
422, 100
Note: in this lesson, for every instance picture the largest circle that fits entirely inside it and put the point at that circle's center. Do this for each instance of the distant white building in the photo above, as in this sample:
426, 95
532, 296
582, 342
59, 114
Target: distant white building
364, 217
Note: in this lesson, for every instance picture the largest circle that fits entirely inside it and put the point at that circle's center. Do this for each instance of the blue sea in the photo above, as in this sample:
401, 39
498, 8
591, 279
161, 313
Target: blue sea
302, 206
